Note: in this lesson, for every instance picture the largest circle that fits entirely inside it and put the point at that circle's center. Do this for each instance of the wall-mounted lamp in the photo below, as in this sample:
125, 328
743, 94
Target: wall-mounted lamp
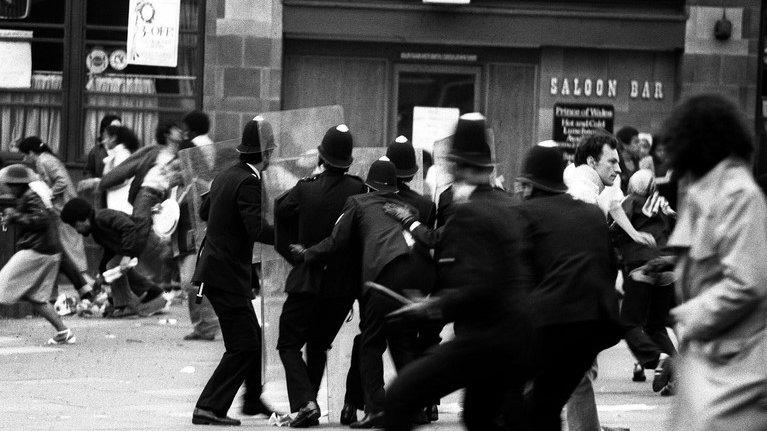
723, 27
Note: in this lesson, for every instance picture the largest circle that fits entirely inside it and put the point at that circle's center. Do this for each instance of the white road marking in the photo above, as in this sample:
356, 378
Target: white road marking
626, 408
5, 351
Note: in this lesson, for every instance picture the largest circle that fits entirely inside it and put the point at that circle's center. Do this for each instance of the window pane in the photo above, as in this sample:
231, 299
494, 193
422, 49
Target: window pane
141, 95
432, 89
46, 11
36, 111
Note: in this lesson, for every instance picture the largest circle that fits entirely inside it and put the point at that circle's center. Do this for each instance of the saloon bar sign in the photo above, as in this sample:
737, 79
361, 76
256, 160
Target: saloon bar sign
588, 87
572, 121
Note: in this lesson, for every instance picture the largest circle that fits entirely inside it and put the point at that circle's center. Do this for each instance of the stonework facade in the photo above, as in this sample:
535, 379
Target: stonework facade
728, 67
243, 62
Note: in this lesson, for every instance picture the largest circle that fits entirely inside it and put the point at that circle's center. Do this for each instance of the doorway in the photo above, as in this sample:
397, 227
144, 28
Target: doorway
439, 86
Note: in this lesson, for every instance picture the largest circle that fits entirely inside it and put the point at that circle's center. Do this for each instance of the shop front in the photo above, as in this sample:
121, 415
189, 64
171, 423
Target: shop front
407, 68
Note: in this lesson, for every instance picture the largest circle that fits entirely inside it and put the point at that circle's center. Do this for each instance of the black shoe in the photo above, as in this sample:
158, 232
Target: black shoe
371, 420
662, 373
421, 417
307, 416
433, 412
348, 414
257, 407
668, 390
207, 417
194, 336
638, 373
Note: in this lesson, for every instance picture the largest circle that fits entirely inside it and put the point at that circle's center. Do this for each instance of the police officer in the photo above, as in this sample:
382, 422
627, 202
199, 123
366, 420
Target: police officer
478, 275
319, 295
235, 222
402, 154
387, 259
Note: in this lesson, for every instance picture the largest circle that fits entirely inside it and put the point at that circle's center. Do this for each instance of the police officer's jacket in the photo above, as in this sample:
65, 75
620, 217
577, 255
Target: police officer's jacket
312, 207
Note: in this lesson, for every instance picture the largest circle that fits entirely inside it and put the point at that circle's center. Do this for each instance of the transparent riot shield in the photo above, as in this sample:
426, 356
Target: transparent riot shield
296, 135
200, 166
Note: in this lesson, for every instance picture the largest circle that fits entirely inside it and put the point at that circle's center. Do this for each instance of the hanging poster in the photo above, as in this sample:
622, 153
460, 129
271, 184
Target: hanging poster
16, 52
153, 32
431, 124
572, 121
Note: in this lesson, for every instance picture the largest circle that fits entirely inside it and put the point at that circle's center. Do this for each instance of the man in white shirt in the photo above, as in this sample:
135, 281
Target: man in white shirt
594, 179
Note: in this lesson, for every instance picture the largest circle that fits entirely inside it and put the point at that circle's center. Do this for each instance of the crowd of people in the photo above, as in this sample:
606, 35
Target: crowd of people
114, 205
638, 234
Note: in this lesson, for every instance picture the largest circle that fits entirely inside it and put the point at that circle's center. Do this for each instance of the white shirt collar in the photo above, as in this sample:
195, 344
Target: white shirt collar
255, 170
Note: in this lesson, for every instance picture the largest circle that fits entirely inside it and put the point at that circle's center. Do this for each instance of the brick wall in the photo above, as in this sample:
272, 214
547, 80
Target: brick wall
729, 67
243, 56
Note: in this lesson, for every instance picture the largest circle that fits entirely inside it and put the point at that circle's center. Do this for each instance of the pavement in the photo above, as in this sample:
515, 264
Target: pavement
138, 374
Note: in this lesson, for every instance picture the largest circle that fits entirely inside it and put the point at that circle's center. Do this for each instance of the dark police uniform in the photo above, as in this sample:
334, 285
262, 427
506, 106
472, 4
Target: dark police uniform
386, 259
235, 223
319, 295
478, 275
572, 293
426, 338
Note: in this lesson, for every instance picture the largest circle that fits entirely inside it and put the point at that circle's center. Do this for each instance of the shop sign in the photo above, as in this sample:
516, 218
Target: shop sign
572, 121
588, 87
438, 56
16, 52
153, 32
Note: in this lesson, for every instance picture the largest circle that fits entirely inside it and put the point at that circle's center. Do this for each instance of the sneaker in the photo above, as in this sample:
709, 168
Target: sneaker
662, 375
638, 373
63, 337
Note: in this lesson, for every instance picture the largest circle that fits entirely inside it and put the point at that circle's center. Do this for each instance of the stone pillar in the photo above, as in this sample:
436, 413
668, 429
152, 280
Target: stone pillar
243, 62
729, 67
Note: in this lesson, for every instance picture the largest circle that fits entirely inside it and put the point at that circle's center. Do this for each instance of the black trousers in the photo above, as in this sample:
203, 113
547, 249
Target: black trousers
314, 321
354, 393
562, 354
242, 359
493, 375
645, 311
428, 339
405, 272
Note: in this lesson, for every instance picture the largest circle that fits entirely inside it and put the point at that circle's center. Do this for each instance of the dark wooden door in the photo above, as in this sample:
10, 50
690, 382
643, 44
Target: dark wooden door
359, 85
511, 110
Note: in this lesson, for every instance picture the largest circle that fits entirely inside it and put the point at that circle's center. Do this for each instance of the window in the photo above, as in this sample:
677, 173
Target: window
70, 93
36, 109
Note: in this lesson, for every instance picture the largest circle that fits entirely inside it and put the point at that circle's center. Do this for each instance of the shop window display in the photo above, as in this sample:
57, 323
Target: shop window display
80, 74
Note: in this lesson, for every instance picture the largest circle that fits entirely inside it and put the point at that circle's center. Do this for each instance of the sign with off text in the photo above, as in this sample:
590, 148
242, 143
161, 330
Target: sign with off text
153, 27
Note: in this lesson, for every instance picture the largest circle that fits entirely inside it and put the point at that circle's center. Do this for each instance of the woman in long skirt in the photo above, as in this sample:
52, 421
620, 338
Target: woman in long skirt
30, 274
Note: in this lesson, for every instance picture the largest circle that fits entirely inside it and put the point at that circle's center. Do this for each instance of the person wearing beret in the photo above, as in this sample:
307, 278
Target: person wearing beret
319, 296
478, 274
234, 224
